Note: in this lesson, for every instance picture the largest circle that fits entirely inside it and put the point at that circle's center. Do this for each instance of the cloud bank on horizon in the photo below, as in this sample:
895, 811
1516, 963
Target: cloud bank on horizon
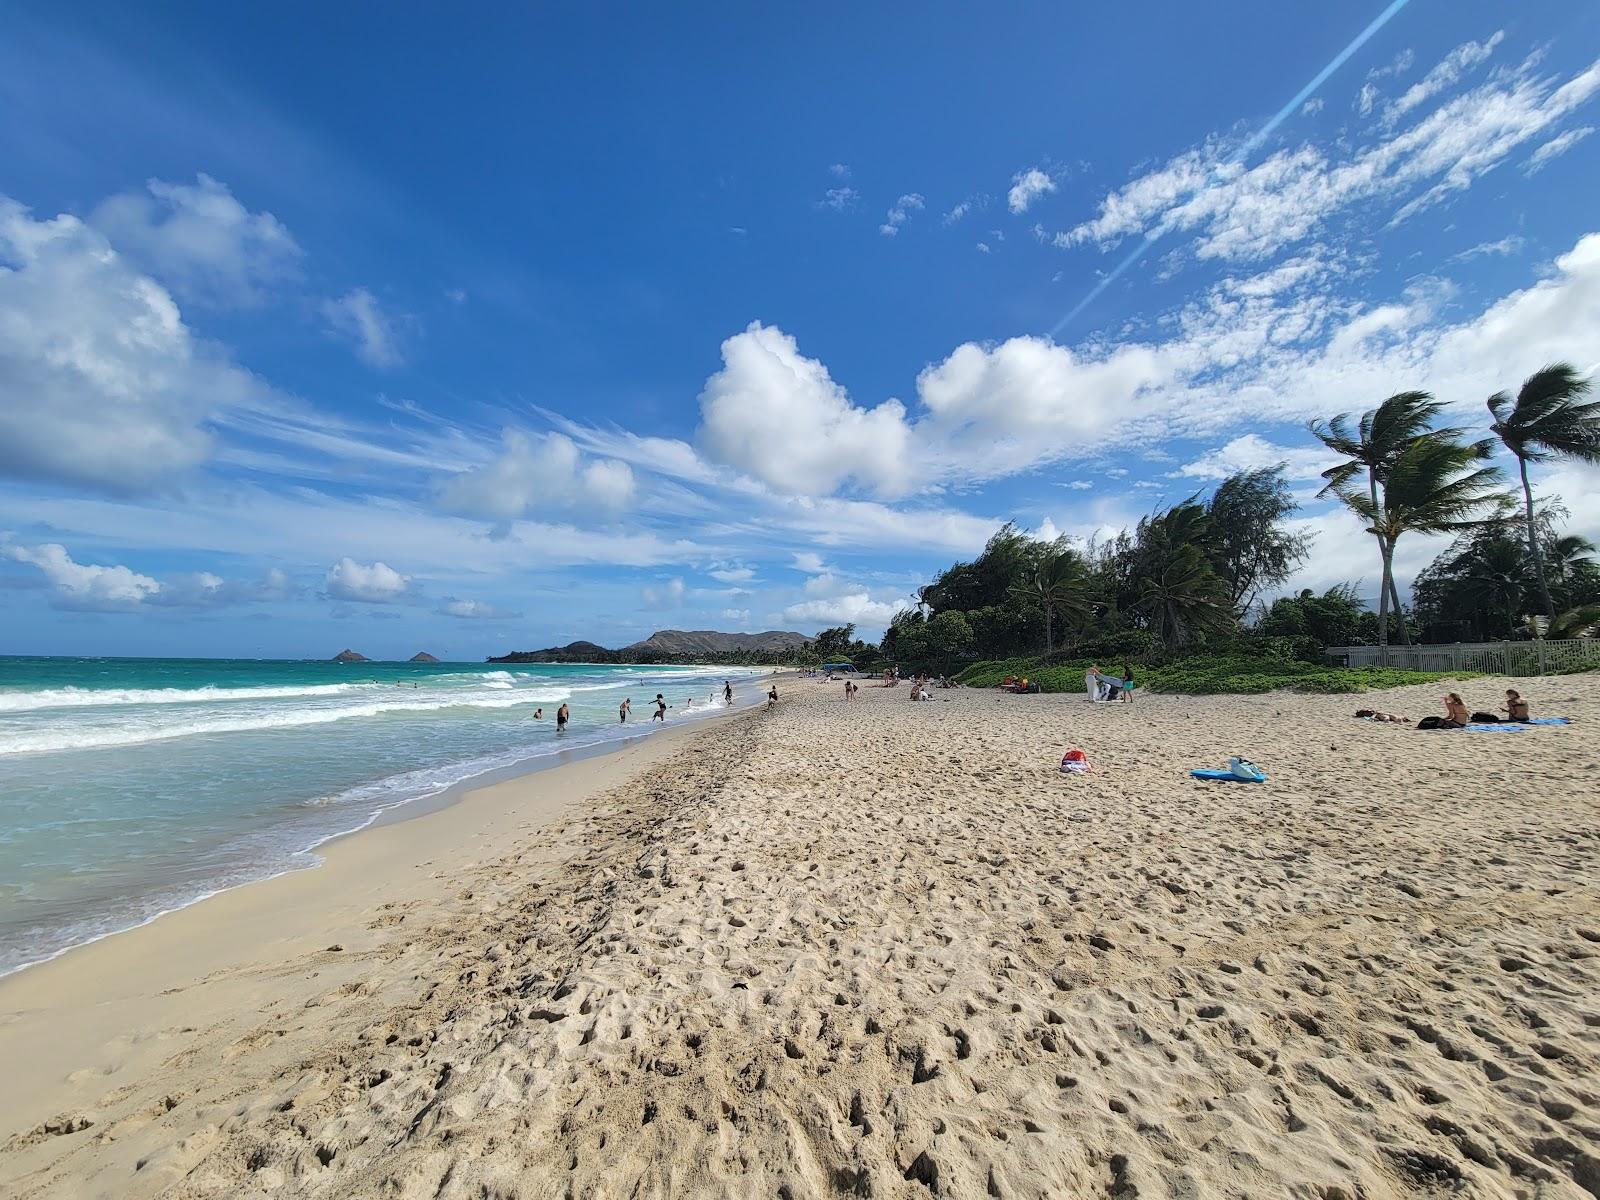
232, 418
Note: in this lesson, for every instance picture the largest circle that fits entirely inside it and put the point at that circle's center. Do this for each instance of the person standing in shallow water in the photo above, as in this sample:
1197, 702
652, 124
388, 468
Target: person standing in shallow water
622, 710
562, 716
727, 692
661, 709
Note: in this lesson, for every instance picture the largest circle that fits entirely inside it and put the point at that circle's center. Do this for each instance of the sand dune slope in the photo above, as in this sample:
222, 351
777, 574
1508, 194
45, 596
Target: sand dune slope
887, 949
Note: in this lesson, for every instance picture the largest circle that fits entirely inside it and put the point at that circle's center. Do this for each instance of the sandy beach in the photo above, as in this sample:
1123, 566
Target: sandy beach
881, 949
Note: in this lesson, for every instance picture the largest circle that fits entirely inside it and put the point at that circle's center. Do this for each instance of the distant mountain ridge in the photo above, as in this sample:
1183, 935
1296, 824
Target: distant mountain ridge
676, 645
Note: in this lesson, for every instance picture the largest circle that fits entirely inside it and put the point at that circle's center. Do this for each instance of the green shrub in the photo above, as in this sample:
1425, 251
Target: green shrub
1202, 675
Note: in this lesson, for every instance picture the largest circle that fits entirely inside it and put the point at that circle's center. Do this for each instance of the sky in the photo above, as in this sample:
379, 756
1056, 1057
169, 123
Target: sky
399, 328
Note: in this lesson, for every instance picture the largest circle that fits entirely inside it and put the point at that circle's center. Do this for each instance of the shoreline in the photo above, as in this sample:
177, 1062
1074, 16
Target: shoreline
195, 942
309, 857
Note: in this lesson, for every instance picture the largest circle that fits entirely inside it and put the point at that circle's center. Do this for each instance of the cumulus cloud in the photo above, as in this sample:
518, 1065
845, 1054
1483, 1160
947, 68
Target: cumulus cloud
200, 241
848, 608
540, 475
85, 586
1026, 187
899, 213
365, 583
102, 385
357, 318
839, 198
1245, 212
780, 417
1279, 347
1251, 452
839, 170
732, 573
667, 594
475, 610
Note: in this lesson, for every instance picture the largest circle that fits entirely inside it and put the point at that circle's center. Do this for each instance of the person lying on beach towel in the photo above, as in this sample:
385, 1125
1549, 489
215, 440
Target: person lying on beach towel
1368, 714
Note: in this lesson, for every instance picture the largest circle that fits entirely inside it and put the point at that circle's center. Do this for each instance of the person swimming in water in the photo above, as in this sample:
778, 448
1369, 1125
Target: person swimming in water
538, 714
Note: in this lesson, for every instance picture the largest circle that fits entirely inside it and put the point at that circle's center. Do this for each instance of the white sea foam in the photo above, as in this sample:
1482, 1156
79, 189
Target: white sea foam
74, 697
54, 738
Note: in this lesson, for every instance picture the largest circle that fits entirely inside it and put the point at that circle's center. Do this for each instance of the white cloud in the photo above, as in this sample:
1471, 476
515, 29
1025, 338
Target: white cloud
739, 616
1556, 147
200, 241
1251, 452
956, 213
778, 416
1446, 75
540, 475
1026, 187
899, 213
839, 171
357, 318
1505, 246
1247, 212
983, 247
1366, 98
839, 198
1077, 485
732, 574
851, 608
1312, 107
669, 594
810, 562
375, 583
102, 384
475, 610
1246, 351
85, 586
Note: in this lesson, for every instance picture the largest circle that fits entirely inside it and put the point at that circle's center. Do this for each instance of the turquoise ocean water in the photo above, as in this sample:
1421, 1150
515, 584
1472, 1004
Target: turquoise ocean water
130, 787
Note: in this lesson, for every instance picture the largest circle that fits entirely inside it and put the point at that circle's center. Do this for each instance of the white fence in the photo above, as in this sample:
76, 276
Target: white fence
1494, 658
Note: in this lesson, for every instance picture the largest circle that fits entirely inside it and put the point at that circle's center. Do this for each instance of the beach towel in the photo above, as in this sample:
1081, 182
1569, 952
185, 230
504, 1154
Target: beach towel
1548, 721
1502, 727
1238, 770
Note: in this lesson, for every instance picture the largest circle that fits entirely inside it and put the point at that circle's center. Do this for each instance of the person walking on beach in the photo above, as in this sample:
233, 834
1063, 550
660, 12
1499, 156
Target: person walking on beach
772, 697
661, 710
622, 710
727, 693
562, 716
1127, 683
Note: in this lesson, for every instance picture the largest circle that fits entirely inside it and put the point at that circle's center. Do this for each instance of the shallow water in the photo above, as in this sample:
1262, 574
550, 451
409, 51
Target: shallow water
129, 787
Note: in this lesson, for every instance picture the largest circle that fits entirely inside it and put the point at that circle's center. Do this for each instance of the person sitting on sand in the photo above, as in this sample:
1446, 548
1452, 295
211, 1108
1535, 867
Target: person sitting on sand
1456, 711
1515, 707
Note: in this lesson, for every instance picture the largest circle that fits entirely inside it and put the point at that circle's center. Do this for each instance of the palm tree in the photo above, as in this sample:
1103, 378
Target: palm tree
1432, 485
1058, 582
1184, 596
1381, 434
1570, 553
1497, 578
1546, 421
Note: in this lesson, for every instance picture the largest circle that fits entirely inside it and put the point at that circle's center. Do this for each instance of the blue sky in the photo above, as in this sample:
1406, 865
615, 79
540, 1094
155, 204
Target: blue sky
395, 328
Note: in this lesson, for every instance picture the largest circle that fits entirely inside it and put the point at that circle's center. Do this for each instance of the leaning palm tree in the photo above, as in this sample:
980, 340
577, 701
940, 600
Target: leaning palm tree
1368, 449
1184, 596
1434, 484
1058, 583
1548, 419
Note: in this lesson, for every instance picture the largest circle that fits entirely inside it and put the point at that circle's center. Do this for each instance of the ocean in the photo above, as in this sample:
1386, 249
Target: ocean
131, 787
